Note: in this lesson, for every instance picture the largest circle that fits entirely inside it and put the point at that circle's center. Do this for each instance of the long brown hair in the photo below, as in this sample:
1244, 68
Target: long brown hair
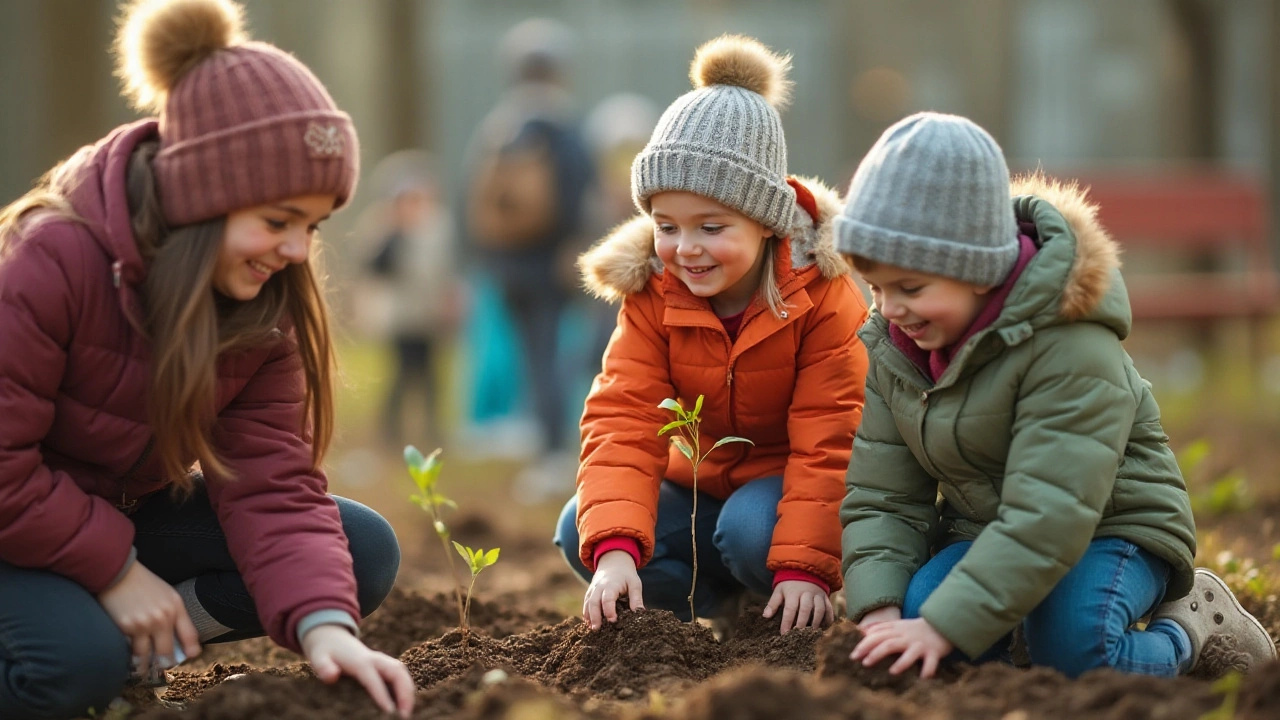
190, 326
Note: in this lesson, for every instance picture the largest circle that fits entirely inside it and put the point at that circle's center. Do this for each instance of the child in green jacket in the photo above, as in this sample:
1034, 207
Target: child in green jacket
1011, 467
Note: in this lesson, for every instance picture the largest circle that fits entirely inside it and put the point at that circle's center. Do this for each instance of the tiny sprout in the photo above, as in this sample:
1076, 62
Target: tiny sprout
688, 442
477, 560
425, 472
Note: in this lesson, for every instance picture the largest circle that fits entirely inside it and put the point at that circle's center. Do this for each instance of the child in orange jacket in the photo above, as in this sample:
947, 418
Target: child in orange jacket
731, 289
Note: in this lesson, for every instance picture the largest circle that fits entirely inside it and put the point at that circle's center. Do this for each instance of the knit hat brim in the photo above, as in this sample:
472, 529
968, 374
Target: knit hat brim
980, 265
718, 174
283, 156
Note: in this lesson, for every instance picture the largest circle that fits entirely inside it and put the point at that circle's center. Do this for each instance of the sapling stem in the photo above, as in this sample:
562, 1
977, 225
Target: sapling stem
689, 443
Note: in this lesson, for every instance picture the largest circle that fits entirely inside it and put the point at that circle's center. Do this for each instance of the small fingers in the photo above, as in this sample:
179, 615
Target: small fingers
775, 600
882, 650
930, 666
371, 679
830, 615
593, 608
188, 636
609, 603
401, 682
789, 608
908, 658
634, 594
808, 615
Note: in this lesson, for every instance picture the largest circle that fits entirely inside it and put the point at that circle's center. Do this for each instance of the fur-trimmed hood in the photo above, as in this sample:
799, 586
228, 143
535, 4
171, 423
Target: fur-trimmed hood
1097, 256
622, 262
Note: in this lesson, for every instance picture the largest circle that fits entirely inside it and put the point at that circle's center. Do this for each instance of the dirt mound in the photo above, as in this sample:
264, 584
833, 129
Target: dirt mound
643, 650
756, 639
406, 619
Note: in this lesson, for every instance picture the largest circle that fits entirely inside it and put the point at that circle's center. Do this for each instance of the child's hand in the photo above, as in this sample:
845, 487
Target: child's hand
915, 639
615, 576
888, 613
150, 613
333, 652
803, 604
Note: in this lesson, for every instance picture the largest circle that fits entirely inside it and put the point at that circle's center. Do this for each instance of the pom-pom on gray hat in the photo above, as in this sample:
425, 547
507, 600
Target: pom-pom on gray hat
932, 195
723, 140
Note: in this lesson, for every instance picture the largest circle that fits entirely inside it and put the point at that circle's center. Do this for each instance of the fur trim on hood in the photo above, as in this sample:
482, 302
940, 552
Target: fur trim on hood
621, 263
1097, 254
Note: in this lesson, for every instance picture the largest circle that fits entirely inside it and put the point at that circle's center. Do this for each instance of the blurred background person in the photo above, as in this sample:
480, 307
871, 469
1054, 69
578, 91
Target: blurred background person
615, 130
528, 175
413, 296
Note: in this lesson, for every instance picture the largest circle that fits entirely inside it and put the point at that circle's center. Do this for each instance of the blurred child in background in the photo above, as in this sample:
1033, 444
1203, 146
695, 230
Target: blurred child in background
414, 259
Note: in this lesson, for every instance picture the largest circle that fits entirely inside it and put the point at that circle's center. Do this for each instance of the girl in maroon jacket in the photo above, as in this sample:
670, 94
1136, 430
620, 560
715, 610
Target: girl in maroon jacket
158, 307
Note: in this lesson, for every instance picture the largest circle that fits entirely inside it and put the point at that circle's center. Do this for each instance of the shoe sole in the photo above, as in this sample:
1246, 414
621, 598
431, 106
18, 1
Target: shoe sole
1201, 572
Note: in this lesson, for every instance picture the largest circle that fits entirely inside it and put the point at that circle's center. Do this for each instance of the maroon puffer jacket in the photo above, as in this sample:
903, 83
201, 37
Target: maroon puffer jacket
74, 377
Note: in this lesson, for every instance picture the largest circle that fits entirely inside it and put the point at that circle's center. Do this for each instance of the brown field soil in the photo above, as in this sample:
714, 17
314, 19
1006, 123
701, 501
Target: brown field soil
523, 660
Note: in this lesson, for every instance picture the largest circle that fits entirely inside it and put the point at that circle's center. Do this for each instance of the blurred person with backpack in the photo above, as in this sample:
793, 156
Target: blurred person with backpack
415, 296
616, 130
529, 173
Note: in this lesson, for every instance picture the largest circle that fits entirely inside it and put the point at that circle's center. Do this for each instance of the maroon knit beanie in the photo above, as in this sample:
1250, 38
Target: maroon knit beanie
241, 123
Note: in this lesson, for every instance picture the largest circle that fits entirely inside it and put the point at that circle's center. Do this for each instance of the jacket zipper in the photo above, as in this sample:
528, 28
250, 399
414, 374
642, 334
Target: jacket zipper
126, 505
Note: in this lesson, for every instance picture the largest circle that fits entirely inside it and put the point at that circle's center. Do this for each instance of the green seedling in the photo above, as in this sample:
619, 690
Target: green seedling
689, 443
425, 472
477, 560
1228, 686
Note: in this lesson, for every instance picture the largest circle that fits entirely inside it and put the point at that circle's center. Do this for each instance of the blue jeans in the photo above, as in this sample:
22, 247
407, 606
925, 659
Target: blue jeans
1087, 620
734, 536
61, 654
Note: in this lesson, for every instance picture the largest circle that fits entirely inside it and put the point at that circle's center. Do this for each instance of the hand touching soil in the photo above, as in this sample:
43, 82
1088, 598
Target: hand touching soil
803, 604
615, 577
333, 652
915, 639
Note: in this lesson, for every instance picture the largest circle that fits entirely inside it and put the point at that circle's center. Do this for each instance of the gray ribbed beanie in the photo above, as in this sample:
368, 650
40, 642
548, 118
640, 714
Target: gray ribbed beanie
932, 195
724, 139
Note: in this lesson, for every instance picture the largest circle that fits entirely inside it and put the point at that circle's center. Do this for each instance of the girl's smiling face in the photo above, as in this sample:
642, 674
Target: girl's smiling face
260, 241
716, 251
932, 310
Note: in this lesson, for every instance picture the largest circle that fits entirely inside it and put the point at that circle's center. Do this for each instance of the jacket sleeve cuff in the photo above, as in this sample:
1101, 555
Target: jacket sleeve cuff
128, 563
627, 544
326, 617
786, 574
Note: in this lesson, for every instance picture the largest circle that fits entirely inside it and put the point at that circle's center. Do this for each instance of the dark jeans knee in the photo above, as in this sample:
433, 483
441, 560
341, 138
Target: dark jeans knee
567, 538
67, 659
375, 553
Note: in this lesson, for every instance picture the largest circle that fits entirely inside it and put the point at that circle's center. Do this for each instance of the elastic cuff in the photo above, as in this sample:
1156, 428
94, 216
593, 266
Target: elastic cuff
128, 564
620, 542
327, 617
786, 574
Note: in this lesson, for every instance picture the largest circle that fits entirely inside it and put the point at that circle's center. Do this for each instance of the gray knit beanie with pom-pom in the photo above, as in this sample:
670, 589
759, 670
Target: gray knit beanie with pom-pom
723, 140
241, 123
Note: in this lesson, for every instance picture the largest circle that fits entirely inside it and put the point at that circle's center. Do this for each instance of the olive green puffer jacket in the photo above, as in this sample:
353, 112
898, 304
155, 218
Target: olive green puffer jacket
1039, 437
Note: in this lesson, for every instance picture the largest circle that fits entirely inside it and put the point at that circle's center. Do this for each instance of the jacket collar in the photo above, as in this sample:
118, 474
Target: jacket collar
624, 261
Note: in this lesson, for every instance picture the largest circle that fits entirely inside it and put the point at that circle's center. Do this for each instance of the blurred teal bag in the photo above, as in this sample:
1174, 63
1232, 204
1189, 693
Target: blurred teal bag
493, 356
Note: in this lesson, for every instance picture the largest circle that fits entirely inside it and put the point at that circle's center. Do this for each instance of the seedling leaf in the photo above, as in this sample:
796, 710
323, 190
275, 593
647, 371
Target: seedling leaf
730, 439
672, 405
672, 425
683, 446
491, 557
697, 407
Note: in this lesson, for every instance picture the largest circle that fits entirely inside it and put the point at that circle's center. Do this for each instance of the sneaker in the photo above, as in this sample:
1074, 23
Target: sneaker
1212, 609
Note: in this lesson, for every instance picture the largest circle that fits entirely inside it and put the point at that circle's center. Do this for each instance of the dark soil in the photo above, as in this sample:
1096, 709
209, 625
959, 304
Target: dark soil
522, 661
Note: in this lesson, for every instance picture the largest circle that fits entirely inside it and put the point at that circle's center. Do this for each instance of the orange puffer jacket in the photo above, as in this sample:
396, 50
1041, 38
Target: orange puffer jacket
793, 385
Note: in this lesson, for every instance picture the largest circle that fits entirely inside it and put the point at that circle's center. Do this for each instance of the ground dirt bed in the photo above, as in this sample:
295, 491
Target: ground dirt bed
650, 665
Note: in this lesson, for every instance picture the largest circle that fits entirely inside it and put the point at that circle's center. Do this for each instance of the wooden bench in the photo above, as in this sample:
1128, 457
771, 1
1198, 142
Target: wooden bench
1208, 234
